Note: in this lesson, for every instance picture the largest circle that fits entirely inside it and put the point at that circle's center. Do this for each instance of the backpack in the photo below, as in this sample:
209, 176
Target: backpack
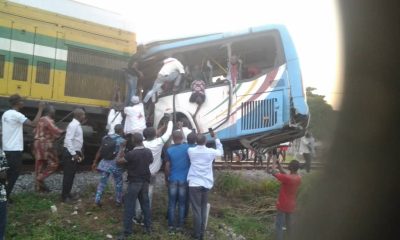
108, 148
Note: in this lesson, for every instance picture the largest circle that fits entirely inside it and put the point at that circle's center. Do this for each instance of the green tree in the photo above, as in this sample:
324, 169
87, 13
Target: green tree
323, 117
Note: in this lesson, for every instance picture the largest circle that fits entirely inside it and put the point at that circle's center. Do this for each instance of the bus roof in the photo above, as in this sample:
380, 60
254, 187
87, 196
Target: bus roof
80, 11
166, 45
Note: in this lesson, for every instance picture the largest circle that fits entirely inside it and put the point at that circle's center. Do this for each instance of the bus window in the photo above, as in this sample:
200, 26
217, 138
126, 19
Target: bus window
258, 54
207, 64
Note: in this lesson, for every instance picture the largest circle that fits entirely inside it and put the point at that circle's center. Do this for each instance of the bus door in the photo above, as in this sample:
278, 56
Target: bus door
21, 49
5, 44
44, 63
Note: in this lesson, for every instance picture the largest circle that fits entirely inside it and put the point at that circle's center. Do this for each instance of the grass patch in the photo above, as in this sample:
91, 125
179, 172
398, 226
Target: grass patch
245, 205
231, 184
307, 184
250, 226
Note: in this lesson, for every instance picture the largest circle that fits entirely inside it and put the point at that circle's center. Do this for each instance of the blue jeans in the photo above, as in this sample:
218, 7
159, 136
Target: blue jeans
117, 174
198, 200
132, 84
3, 219
136, 190
282, 219
177, 194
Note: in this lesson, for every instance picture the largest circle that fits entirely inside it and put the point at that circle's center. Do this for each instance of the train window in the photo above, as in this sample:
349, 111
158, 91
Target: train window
20, 69
43, 72
2, 63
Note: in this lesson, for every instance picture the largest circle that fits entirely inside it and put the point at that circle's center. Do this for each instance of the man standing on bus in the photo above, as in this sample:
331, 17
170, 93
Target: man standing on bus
171, 72
12, 138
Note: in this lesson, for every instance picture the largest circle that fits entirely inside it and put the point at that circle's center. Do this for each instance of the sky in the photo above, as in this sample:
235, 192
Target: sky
313, 24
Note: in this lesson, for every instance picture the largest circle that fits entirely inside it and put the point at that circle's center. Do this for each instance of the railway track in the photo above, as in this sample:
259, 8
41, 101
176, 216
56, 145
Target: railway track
219, 165
249, 165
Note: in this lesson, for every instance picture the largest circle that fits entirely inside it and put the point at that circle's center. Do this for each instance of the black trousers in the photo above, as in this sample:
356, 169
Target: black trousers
70, 168
198, 199
14, 160
307, 158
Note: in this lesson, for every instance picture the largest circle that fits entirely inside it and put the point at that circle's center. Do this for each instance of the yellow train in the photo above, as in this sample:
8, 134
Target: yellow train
72, 56
59, 58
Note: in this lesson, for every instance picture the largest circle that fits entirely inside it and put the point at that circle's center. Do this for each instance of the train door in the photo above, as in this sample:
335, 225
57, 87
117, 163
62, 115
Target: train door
5, 44
43, 63
21, 49
59, 67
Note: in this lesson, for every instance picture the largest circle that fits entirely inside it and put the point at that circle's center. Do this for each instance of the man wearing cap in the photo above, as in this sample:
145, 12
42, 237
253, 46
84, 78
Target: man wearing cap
12, 138
135, 121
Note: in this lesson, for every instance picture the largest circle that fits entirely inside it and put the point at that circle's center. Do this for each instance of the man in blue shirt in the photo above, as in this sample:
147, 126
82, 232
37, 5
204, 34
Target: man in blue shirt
176, 171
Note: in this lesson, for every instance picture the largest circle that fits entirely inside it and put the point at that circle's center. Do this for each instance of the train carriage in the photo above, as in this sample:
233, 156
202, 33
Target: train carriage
69, 54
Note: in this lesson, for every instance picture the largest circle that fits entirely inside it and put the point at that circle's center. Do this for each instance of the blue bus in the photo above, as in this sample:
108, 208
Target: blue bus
263, 105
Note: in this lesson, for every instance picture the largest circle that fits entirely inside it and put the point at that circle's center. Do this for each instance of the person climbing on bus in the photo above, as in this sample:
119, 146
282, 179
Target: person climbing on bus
171, 72
132, 76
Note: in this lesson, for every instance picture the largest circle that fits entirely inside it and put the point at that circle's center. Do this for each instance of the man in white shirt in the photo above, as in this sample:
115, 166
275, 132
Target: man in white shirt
12, 137
155, 145
135, 121
307, 150
73, 143
114, 117
201, 180
171, 71
184, 125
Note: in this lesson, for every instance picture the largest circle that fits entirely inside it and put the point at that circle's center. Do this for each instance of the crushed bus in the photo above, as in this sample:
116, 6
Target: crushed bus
71, 59
264, 107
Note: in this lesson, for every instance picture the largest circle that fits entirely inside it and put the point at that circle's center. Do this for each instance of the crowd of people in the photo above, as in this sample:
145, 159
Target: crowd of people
133, 147
129, 146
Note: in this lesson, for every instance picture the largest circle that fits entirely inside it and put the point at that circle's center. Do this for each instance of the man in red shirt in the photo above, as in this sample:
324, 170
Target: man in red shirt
286, 203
